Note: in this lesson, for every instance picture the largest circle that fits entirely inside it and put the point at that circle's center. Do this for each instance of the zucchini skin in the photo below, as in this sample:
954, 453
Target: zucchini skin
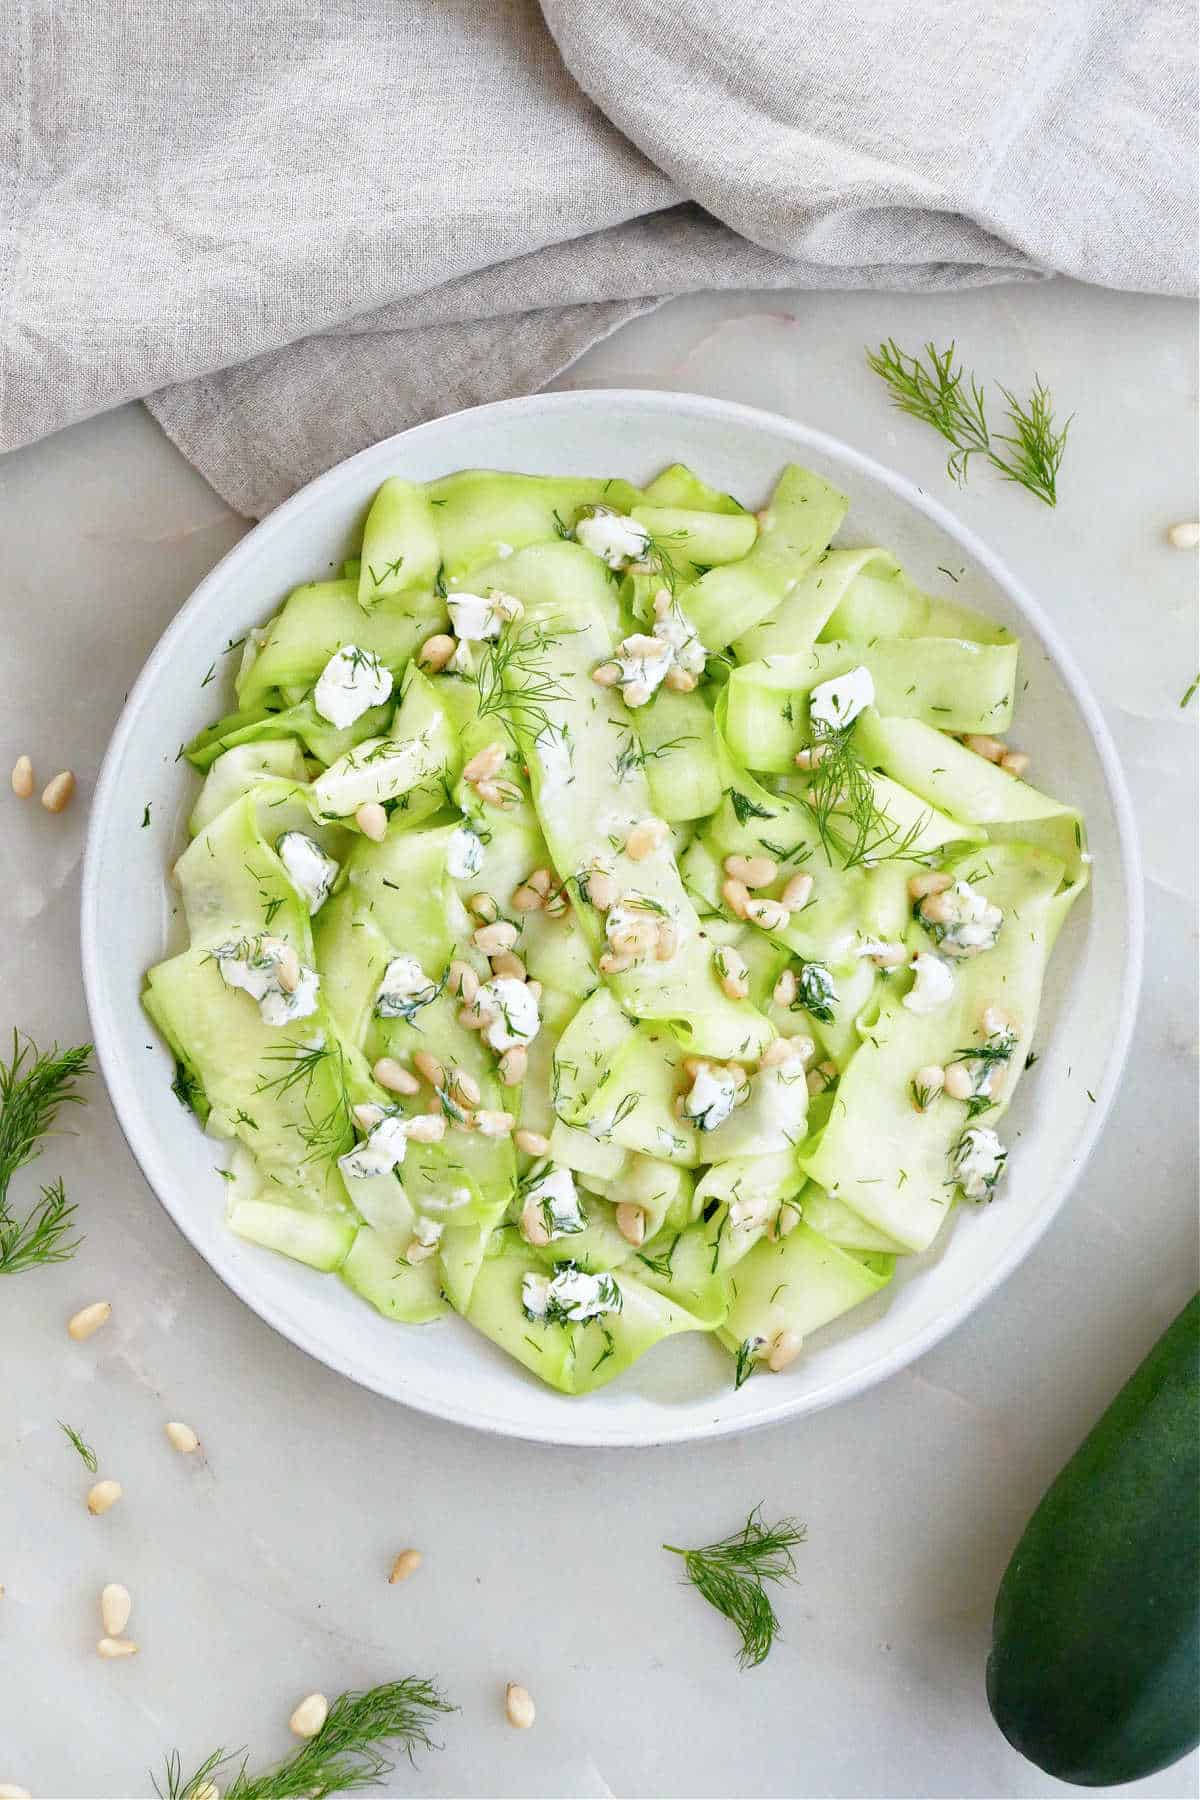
1094, 1672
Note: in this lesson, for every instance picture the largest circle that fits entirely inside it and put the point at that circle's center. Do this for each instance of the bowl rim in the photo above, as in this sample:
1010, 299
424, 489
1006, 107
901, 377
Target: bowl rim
647, 400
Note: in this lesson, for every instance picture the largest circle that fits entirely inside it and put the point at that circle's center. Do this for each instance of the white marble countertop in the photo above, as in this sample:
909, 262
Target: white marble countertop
258, 1572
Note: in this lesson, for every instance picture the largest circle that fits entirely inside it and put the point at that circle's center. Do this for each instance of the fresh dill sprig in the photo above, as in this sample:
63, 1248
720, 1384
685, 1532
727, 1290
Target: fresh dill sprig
942, 395
42, 1236
852, 825
85, 1449
515, 683
346, 1754
731, 1573
745, 808
33, 1086
1190, 691
661, 1264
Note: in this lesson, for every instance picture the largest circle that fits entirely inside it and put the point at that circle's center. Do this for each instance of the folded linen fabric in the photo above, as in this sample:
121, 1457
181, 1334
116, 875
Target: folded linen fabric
295, 228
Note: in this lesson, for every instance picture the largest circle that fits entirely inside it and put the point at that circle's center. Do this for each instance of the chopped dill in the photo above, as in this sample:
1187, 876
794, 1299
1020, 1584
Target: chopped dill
84, 1449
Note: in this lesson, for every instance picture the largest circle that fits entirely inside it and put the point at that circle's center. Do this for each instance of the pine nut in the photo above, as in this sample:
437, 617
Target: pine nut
647, 836
484, 908
535, 989
489, 792
1184, 536
429, 1068
822, 1077
181, 1437
10, 1791
732, 973
811, 756
57, 792
636, 693
631, 1223
667, 945
393, 1076
494, 1124
115, 1608
484, 763
112, 1647
995, 1020
616, 962
428, 1128
680, 681
518, 1706
601, 889
309, 1716
463, 981
784, 1050
797, 892
367, 1115
1015, 763
513, 1065
103, 1495
526, 899
534, 1228
958, 1084
769, 915
471, 1019
436, 651
692, 1065
928, 1083
464, 1088
785, 1348
607, 675
752, 871
420, 1252
406, 1564
372, 821
531, 1143
736, 896
787, 989
938, 909
208, 1790
491, 939
22, 778
921, 886
89, 1319
287, 970
889, 956
541, 881
508, 963
557, 904
990, 748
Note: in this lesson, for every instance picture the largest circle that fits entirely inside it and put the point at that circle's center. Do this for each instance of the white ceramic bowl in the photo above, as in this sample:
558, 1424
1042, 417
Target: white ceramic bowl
683, 1389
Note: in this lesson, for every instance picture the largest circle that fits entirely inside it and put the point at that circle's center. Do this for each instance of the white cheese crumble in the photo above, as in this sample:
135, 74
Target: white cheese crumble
978, 1159
310, 871
974, 924
835, 704
570, 1295
614, 537
673, 626
405, 988
351, 682
383, 1150
252, 964
464, 854
933, 984
511, 1012
554, 1200
474, 617
712, 1097
643, 663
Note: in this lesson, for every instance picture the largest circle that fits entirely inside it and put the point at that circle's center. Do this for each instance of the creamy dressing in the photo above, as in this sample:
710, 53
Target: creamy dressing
933, 984
711, 1097
405, 987
974, 924
351, 682
979, 1158
512, 1012
464, 854
554, 1200
383, 1150
252, 964
614, 537
310, 871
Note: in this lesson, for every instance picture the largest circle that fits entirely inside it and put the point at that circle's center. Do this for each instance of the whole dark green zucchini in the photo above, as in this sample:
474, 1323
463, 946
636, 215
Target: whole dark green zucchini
1094, 1673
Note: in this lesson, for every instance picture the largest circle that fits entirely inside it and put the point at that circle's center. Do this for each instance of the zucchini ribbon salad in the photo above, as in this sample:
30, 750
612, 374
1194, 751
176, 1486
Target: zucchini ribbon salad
612, 914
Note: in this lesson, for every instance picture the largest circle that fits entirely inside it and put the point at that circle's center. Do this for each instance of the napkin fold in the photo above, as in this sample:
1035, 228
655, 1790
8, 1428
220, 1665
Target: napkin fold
295, 229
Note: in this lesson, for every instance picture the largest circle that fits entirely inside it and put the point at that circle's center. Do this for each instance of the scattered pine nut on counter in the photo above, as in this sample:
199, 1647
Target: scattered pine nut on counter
56, 795
518, 1706
309, 1716
22, 778
181, 1437
89, 1319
